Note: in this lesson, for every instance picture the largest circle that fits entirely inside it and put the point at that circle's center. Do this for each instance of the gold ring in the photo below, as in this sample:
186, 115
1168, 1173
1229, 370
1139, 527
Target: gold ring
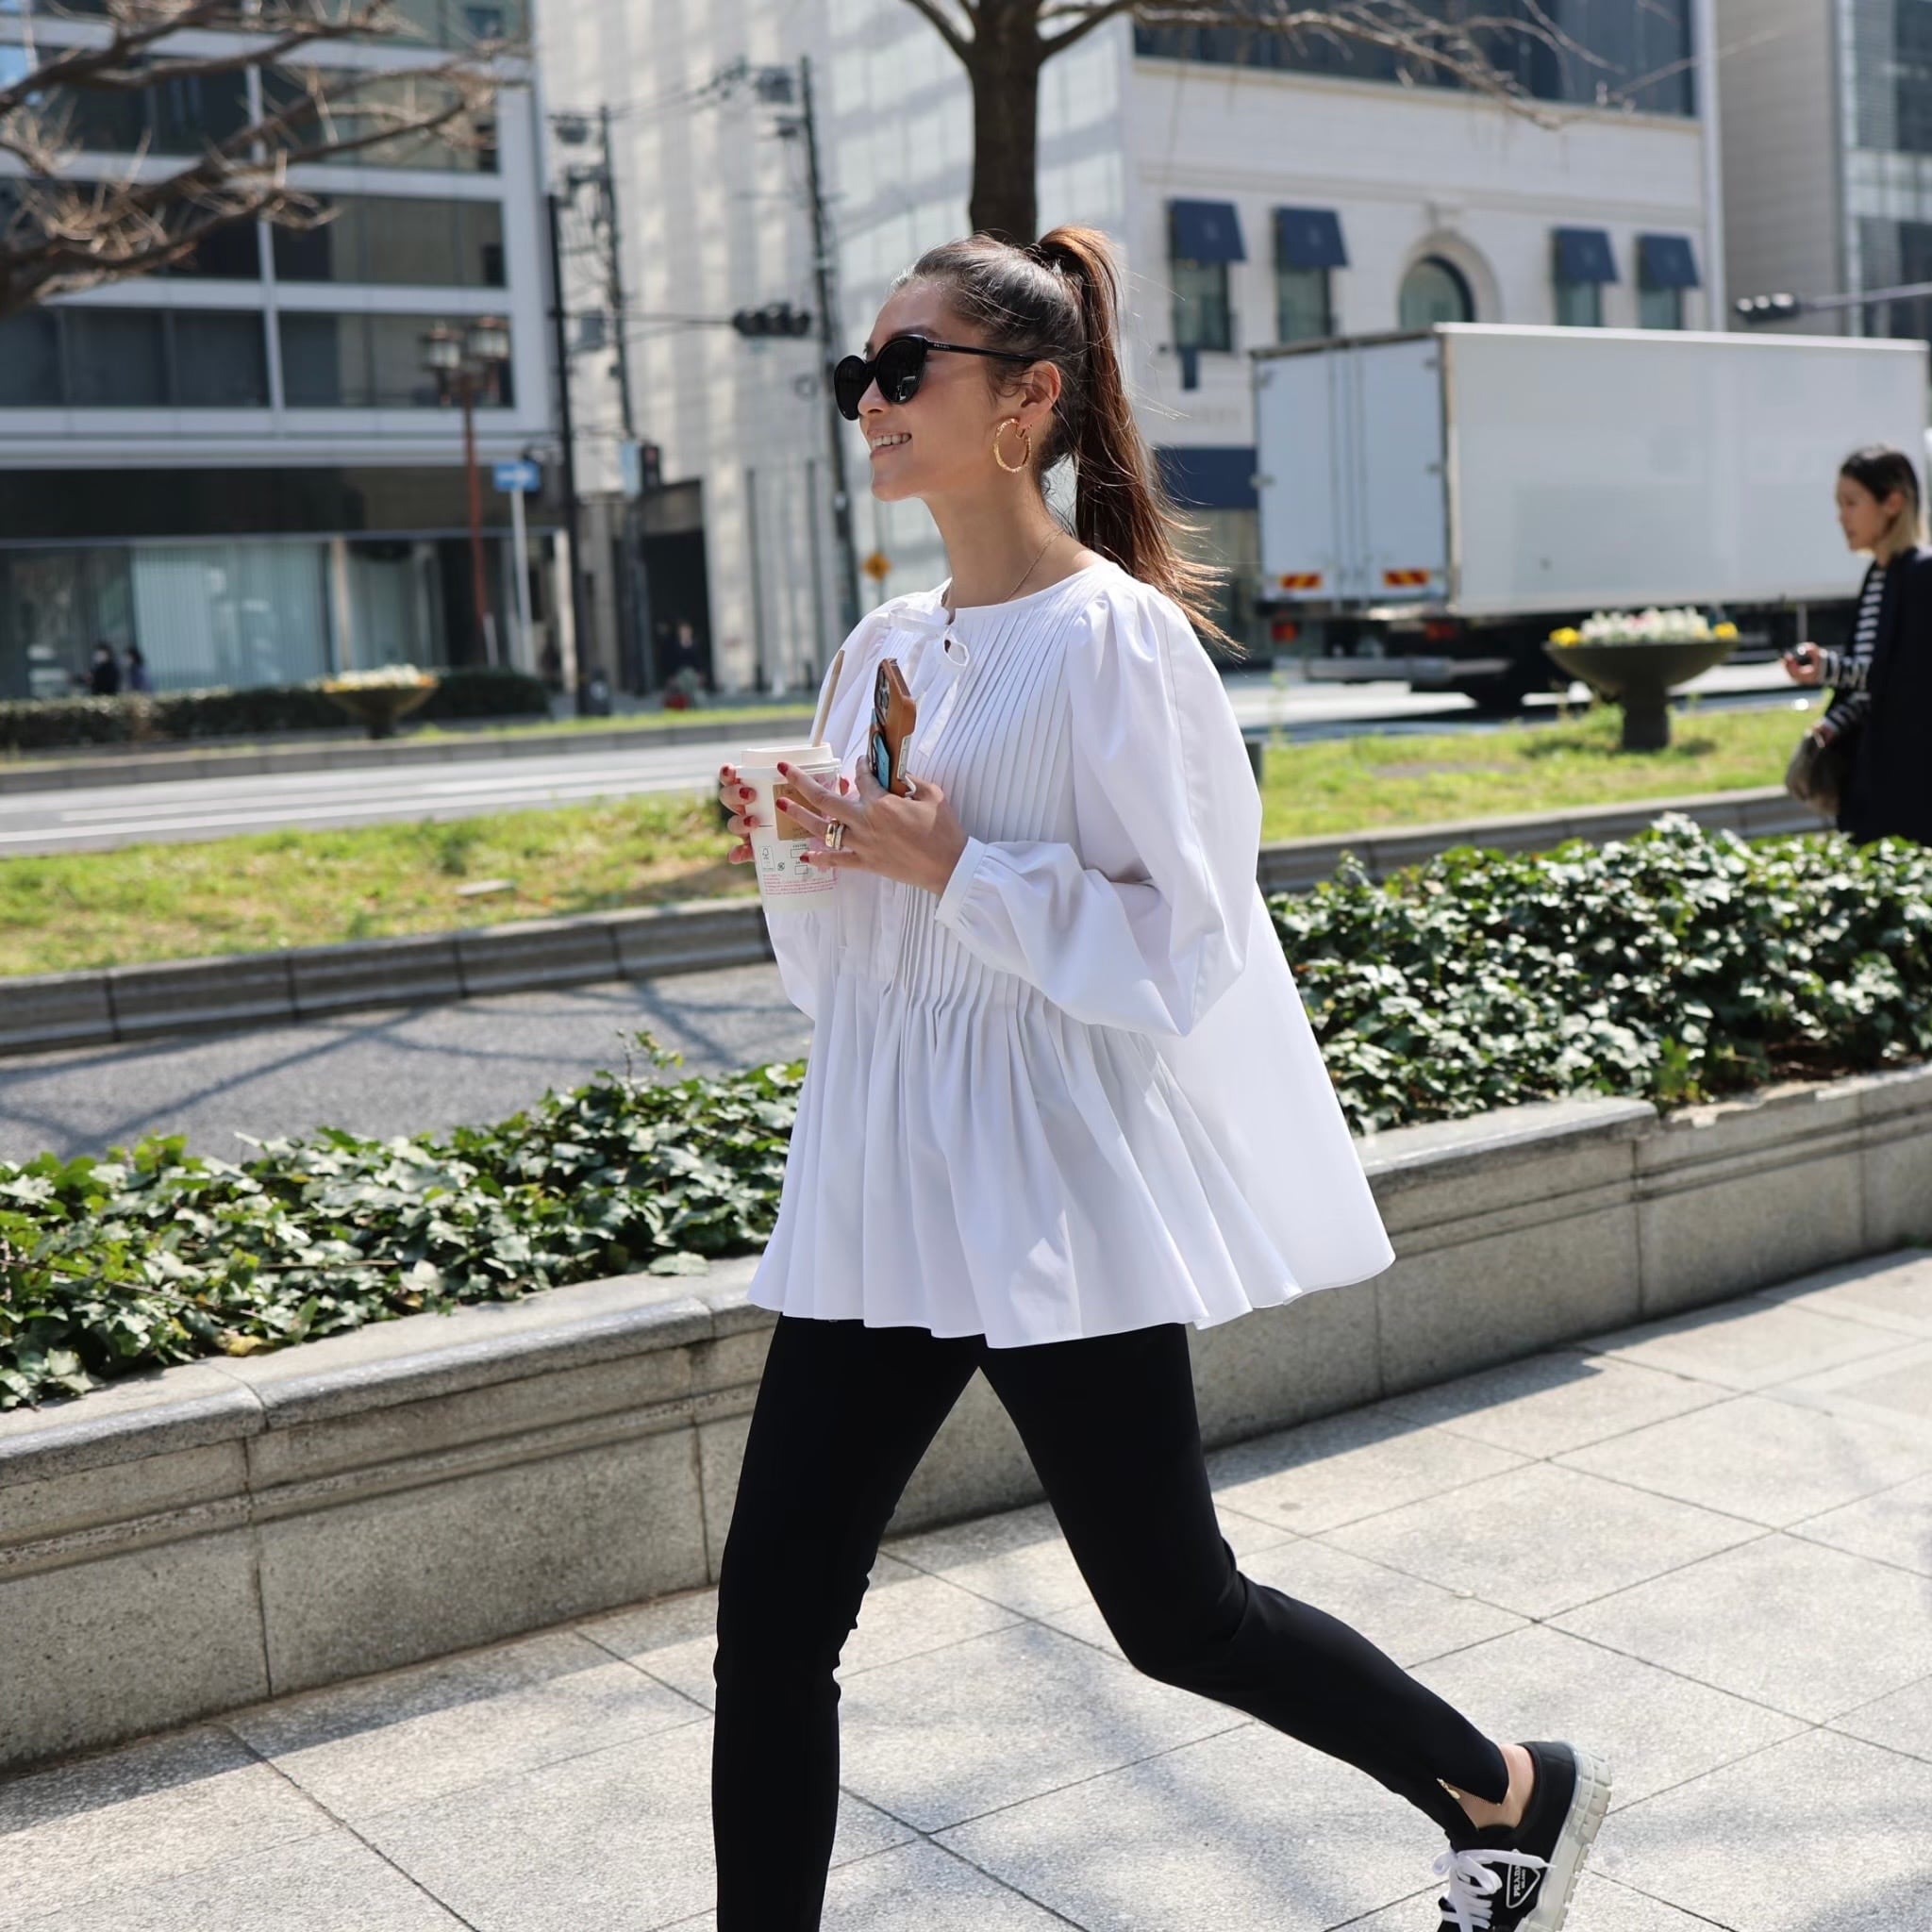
835, 834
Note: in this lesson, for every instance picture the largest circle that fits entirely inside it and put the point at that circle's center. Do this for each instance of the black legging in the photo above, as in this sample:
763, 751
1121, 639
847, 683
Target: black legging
844, 1415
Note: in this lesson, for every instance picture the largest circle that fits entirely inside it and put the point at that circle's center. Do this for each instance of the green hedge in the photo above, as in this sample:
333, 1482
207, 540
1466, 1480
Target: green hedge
259, 711
1676, 966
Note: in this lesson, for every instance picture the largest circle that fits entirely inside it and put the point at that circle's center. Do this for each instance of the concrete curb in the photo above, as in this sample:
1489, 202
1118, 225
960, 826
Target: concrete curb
189, 1541
42, 1012
256, 760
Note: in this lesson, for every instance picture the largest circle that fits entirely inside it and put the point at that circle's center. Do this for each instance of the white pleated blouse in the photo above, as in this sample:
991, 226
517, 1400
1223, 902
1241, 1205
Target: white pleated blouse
1076, 1093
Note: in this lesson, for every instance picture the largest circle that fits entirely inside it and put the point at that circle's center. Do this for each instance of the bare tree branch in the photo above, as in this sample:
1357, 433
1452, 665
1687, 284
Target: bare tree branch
67, 231
959, 42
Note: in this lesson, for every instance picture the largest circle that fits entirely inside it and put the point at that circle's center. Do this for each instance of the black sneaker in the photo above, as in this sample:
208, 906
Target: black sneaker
1521, 1881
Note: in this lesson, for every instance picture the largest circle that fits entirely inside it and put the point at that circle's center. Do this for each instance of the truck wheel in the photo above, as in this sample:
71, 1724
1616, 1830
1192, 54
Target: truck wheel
1501, 697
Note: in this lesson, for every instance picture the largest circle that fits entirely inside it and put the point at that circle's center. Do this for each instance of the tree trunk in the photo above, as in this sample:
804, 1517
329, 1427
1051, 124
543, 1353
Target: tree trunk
1005, 73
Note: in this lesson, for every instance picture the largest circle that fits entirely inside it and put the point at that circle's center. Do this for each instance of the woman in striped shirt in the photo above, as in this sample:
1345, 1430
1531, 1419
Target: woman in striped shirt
1882, 680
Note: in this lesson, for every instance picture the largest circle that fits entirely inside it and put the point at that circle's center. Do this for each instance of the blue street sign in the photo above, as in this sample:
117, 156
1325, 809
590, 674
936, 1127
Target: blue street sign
519, 472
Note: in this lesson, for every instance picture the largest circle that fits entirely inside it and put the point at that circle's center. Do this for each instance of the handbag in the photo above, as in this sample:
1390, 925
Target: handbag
1817, 772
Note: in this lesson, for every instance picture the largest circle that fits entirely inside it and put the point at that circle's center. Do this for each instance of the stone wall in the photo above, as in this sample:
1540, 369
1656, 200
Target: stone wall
202, 1538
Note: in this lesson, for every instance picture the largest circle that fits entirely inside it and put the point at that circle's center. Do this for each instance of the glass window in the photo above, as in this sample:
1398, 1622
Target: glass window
397, 239
405, 95
54, 607
178, 115
366, 363
231, 613
231, 253
1607, 52
1303, 309
220, 360
1434, 291
1202, 318
116, 358
1660, 308
29, 362
1579, 305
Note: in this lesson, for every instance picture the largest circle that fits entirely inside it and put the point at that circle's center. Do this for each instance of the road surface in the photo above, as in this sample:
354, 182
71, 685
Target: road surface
201, 808
386, 1072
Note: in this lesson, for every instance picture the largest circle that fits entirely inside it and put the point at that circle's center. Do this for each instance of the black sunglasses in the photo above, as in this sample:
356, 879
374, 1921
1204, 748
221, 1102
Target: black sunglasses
897, 369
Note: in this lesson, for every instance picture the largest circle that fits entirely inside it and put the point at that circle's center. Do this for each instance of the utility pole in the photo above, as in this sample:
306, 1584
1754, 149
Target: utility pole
635, 603
613, 254
824, 267
579, 628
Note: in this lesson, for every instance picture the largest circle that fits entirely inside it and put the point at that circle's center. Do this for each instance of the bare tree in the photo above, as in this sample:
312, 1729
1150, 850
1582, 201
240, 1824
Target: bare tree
1004, 43
66, 225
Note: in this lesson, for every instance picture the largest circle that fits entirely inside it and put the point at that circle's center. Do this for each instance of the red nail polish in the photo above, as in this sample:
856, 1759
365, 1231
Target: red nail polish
745, 792
784, 771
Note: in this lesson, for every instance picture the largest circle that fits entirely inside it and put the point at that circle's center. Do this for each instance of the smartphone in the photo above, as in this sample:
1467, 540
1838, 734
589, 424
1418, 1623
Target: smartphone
893, 714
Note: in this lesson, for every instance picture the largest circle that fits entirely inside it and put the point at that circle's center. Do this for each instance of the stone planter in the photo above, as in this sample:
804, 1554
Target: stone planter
1640, 677
379, 706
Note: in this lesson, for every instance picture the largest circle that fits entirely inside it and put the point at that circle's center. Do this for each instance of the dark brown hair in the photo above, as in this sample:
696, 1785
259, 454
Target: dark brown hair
1882, 469
1059, 301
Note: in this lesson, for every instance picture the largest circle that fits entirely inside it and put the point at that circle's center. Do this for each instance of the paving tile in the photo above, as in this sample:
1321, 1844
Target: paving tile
1806, 1629
1399, 1613
1818, 1831
1549, 1403
412, 1735
1900, 1721
1655, 1729
1021, 1561
1895, 1526
1894, 1390
1250, 1831
1347, 1466
903, 1613
1747, 1343
142, 1815
918, 1884
1893, 1291
618, 1839
1541, 1538
1597, 1905
1770, 1462
673, 1637
941, 1738
318, 1885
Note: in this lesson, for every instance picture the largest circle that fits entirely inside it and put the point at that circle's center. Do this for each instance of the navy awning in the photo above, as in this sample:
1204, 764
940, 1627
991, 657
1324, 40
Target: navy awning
1209, 476
1308, 238
1583, 255
1206, 231
1667, 261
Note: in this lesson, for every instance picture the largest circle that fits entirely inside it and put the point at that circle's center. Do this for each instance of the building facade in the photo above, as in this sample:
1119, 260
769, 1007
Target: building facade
243, 466
1827, 156
1258, 190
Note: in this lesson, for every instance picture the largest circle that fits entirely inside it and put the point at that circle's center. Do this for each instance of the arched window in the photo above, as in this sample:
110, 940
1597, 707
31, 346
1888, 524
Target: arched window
1435, 291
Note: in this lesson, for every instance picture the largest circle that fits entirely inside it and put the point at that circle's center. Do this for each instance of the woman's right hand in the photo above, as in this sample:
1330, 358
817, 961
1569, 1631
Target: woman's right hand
1805, 664
736, 797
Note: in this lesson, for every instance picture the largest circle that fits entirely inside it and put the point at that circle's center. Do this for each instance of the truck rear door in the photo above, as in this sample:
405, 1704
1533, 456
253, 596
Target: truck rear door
1349, 443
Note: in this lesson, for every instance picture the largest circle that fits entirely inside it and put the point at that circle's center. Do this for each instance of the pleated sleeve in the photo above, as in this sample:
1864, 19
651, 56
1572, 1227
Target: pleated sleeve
1143, 920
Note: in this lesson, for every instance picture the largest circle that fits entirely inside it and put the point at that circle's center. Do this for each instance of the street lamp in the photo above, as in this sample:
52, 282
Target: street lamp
463, 366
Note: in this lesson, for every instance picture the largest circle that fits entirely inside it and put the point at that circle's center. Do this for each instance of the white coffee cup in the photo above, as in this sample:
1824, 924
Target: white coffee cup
778, 843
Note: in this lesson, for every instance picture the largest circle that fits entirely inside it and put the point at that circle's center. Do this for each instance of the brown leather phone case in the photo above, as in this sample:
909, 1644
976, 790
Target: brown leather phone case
894, 715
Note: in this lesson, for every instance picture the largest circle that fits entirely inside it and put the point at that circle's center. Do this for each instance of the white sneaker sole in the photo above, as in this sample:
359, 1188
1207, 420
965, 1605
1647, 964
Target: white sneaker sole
1589, 1802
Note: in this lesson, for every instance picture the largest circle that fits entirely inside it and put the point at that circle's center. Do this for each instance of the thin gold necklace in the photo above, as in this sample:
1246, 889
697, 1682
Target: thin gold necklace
952, 611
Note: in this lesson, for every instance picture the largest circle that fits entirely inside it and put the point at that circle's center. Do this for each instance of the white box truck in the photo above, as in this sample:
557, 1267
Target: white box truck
1433, 505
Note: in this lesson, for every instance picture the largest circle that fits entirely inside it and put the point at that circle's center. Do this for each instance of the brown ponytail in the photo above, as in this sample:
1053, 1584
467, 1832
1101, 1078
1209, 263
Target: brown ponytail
1059, 301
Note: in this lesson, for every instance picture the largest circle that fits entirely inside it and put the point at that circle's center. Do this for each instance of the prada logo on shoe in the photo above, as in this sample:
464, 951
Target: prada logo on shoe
1519, 1882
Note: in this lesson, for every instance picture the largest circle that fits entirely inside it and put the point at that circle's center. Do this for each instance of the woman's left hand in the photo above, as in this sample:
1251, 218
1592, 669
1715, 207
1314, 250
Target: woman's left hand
917, 840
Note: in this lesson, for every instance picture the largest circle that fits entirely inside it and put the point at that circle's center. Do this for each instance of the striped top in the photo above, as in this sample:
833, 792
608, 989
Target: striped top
1075, 1093
1849, 671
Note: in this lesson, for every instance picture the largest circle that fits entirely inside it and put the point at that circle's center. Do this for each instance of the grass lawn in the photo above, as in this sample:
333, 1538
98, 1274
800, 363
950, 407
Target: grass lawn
84, 910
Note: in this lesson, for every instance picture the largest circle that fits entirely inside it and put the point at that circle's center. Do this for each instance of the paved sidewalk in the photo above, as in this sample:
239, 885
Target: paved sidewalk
1704, 1545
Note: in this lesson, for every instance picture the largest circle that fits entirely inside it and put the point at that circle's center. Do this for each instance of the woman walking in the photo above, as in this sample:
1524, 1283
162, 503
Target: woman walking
1062, 1101
1881, 701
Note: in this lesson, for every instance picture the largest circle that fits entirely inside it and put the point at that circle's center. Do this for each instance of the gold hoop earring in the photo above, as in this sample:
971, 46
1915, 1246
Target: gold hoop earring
1026, 439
